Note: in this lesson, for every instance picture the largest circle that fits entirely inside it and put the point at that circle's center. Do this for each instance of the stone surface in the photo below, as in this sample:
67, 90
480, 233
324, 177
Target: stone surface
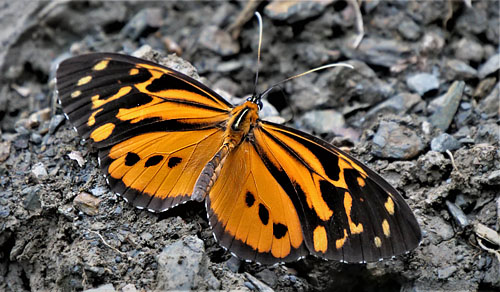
444, 114
491, 66
423, 83
183, 266
395, 141
322, 121
87, 203
295, 10
444, 142
218, 41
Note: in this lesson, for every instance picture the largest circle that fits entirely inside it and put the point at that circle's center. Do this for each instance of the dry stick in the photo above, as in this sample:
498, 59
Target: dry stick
243, 17
106, 244
359, 23
453, 163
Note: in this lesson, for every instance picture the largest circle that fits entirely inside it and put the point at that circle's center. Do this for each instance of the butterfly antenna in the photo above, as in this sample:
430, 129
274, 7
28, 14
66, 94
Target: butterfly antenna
259, 18
305, 73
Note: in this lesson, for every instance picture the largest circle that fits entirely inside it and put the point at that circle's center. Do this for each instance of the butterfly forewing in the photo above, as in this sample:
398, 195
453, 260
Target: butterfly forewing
349, 212
155, 128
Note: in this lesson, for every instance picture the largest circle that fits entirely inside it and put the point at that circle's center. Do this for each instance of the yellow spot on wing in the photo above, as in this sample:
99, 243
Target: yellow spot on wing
389, 205
84, 80
385, 227
340, 242
76, 94
134, 71
103, 132
96, 102
361, 182
378, 242
91, 120
355, 228
320, 239
101, 65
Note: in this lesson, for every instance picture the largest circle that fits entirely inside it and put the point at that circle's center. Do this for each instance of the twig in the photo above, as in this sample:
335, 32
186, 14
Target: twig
453, 163
107, 244
359, 23
243, 17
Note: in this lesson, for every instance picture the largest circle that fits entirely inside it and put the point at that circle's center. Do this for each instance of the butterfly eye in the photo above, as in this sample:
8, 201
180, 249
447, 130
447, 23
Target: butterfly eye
259, 103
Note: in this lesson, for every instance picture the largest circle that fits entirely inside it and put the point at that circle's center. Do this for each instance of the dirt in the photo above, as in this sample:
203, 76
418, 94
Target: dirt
62, 229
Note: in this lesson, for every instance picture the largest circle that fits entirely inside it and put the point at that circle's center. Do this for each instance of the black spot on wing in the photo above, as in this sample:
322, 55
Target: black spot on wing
279, 230
263, 214
153, 160
131, 159
249, 199
174, 161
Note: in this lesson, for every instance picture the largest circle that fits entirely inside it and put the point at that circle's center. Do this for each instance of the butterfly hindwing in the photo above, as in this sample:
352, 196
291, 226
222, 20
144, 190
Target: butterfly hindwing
155, 128
251, 214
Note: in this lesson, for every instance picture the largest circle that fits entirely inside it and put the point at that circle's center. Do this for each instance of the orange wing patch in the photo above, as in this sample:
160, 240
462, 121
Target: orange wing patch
251, 213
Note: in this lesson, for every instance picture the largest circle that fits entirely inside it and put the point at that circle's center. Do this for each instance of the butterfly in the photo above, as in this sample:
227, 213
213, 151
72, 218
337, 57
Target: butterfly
272, 193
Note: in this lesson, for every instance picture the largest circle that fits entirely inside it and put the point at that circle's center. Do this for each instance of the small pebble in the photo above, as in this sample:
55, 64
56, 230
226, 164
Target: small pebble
423, 83
395, 141
87, 203
444, 142
39, 171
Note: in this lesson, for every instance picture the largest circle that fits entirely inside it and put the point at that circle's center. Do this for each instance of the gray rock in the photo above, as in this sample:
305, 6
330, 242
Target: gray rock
21, 141
457, 214
488, 133
39, 171
346, 86
4, 211
446, 272
55, 122
490, 67
459, 70
183, 266
467, 49
32, 200
398, 104
144, 19
409, 29
102, 288
494, 177
322, 121
218, 41
443, 116
473, 20
395, 141
4, 150
268, 277
444, 142
490, 105
379, 51
293, 11
423, 83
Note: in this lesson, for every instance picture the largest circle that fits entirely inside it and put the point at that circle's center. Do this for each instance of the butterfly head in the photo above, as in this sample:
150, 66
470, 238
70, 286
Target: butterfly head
257, 99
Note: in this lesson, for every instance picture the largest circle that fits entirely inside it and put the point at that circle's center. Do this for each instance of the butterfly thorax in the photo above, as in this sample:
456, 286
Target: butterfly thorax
241, 122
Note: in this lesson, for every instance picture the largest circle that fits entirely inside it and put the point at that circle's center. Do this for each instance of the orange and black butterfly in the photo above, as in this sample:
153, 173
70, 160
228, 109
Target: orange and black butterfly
272, 193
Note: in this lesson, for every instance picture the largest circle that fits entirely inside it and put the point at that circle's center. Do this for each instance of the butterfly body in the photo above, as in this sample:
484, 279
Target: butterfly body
272, 193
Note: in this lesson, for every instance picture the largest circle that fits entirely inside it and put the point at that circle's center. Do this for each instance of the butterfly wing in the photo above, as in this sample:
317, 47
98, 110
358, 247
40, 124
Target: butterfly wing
250, 212
151, 124
348, 212
282, 194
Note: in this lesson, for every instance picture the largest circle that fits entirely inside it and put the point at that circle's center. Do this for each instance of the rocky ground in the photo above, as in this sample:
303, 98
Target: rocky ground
421, 108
